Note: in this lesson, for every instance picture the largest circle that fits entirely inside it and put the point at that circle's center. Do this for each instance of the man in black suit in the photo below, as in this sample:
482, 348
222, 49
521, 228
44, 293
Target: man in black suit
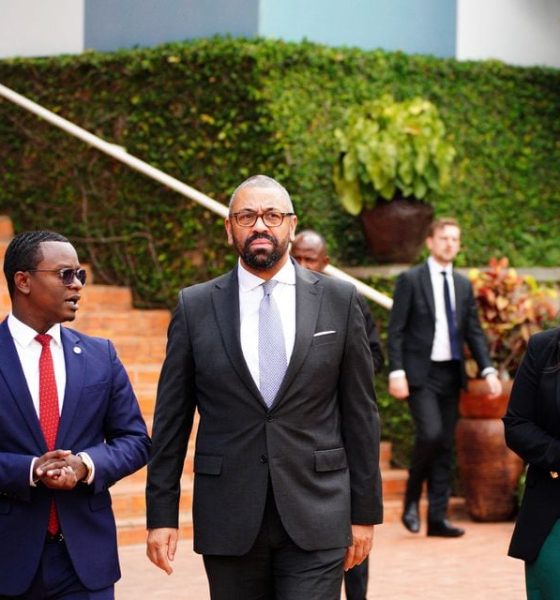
433, 315
309, 249
276, 361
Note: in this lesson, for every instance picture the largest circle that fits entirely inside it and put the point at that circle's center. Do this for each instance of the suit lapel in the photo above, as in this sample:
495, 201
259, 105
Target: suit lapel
225, 300
426, 284
555, 362
460, 295
308, 299
11, 370
75, 361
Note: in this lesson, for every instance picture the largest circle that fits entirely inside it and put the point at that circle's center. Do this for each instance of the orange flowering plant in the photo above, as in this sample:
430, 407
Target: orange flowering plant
511, 308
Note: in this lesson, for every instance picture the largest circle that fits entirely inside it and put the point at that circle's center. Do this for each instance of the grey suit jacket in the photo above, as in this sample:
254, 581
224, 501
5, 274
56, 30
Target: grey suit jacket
412, 324
318, 444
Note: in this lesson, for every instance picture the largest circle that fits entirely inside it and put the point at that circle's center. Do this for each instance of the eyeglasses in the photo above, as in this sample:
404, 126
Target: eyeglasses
67, 276
271, 218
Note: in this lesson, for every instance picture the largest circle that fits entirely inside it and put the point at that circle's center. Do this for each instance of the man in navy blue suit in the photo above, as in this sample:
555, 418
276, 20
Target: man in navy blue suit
70, 427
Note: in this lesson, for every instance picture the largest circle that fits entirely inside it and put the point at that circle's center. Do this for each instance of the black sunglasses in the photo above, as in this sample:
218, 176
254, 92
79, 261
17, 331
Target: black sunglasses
67, 276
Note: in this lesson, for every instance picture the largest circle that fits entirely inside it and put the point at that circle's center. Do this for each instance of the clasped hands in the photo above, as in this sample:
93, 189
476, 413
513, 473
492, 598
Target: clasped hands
59, 469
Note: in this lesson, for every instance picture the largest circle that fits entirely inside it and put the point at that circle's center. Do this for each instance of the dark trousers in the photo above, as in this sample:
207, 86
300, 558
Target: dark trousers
356, 580
56, 579
434, 409
275, 568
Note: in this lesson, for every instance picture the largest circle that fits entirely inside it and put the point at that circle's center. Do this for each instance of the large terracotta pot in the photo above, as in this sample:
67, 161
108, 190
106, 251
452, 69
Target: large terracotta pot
395, 231
489, 470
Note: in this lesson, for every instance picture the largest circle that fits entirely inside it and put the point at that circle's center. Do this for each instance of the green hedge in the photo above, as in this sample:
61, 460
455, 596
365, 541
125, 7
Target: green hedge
212, 112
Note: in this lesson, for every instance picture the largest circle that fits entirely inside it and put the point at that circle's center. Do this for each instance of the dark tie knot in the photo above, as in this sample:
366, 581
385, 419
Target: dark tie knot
44, 339
268, 286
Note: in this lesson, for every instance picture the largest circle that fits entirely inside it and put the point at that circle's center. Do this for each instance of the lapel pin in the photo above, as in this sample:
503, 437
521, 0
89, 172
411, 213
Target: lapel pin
77, 350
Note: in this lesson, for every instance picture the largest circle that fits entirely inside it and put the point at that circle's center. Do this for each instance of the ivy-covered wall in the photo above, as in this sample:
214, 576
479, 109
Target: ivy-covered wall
212, 112
215, 111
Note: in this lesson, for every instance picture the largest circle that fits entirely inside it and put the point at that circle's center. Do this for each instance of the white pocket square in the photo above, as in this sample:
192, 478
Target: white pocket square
320, 333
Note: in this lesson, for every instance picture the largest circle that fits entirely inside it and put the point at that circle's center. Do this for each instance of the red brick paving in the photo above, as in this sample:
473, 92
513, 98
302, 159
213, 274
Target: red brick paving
404, 567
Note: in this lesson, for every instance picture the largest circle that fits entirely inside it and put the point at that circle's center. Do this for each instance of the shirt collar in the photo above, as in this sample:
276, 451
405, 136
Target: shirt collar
435, 267
25, 335
248, 281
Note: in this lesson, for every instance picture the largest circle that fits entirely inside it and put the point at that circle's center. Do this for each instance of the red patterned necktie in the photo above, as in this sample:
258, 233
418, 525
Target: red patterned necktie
48, 408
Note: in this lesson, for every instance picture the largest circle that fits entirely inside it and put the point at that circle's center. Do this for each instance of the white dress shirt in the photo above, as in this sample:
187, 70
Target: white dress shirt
29, 353
441, 347
250, 296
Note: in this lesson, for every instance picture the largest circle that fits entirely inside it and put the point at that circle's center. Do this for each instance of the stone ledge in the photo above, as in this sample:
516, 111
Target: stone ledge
542, 274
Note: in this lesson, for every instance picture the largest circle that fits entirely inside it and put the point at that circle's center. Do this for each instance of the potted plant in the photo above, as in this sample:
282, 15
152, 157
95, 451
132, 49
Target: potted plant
511, 308
393, 155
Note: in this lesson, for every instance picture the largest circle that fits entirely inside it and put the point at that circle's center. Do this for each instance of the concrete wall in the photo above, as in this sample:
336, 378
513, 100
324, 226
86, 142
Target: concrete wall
520, 32
41, 27
113, 24
415, 26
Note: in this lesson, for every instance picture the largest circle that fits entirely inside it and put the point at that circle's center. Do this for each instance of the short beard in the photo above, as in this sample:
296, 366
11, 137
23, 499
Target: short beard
262, 260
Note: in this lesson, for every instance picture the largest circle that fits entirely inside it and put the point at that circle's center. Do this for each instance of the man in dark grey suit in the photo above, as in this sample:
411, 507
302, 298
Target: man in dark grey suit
276, 361
434, 314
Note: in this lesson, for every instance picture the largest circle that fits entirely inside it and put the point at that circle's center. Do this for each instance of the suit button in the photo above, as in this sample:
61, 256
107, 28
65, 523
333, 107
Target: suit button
264, 459
269, 418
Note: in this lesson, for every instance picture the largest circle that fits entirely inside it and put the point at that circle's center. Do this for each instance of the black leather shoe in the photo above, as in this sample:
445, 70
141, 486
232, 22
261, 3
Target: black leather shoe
411, 518
444, 528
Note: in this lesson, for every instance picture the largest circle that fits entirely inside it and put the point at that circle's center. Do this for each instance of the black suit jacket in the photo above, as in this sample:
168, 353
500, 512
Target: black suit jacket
412, 324
532, 428
318, 444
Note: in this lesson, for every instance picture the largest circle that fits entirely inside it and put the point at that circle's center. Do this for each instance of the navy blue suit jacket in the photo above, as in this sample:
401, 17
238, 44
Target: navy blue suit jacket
100, 416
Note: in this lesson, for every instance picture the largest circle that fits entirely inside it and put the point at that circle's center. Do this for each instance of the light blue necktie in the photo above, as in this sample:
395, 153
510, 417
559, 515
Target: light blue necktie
272, 349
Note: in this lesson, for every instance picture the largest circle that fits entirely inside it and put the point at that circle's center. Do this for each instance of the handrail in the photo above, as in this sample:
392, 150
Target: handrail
121, 154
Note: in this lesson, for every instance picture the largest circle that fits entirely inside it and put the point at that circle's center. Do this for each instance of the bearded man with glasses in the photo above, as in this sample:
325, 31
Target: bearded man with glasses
70, 427
276, 360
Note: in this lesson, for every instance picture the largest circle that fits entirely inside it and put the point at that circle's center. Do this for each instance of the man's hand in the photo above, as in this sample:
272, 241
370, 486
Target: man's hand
362, 542
398, 387
162, 545
59, 469
494, 385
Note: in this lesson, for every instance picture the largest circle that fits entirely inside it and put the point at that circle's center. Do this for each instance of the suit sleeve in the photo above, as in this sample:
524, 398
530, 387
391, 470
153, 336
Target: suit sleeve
126, 443
360, 422
173, 420
398, 320
527, 439
373, 337
474, 336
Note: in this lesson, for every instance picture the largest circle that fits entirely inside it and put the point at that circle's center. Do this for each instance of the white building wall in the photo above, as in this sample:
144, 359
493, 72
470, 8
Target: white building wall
41, 27
519, 32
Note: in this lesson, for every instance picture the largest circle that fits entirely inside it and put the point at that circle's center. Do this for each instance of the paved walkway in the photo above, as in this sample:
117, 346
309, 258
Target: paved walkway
405, 567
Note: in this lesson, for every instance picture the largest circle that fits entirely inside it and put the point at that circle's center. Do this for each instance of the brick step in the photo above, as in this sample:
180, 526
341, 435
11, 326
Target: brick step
6, 229
145, 322
5, 304
136, 349
394, 483
105, 298
133, 530
143, 376
385, 454
129, 498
